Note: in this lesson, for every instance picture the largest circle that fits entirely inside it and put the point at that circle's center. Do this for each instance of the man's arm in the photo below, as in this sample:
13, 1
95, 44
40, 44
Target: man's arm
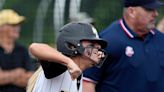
22, 77
88, 86
18, 77
5, 77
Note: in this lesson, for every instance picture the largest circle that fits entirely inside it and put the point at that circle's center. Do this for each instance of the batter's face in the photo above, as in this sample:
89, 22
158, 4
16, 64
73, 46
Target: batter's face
92, 53
145, 18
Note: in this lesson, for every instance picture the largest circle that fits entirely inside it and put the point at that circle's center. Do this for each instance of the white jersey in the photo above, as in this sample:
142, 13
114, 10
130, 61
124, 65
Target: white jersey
61, 83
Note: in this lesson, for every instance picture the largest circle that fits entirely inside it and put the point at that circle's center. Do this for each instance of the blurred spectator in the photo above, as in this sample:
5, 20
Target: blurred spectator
160, 25
15, 63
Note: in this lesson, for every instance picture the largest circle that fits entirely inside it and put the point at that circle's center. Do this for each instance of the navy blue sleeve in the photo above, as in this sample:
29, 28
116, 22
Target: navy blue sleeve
92, 74
95, 74
28, 64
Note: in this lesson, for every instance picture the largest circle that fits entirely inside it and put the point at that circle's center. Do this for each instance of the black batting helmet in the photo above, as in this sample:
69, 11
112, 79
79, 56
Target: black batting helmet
72, 34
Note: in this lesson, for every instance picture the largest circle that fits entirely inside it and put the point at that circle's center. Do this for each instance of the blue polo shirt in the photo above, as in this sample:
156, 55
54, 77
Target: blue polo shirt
134, 64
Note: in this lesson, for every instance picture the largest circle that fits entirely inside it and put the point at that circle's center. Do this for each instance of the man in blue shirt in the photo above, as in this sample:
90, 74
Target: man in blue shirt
136, 53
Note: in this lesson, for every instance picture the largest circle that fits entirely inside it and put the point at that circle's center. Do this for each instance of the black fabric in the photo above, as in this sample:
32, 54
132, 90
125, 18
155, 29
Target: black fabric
11, 88
52, 69
19, 58
149, 4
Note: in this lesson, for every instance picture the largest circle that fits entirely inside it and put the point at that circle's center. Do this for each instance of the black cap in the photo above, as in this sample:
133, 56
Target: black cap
149, 4
82, 31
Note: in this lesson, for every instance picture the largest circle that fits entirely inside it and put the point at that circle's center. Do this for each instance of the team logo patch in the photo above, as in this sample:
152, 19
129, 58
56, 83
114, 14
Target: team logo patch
129, 51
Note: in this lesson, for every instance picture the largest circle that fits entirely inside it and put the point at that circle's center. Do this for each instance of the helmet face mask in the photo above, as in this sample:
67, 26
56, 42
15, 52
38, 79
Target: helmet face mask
77, 49
90, 50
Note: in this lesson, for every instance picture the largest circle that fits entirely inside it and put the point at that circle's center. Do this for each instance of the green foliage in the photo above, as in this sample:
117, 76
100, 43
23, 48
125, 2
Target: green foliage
103, 11
106, 12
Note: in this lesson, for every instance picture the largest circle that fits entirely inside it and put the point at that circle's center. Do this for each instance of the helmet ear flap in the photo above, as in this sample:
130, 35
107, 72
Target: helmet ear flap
72, 47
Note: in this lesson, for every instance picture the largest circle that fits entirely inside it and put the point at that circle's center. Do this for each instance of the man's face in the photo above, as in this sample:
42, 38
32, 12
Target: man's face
12, 31
145, 18
92, 52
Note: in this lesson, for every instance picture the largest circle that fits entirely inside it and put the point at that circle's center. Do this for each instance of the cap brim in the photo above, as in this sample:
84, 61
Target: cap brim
100, 41
154, 5
103, 43
18, 20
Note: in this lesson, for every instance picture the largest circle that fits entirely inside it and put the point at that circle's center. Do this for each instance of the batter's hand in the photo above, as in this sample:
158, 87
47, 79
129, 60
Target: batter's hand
74, 70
